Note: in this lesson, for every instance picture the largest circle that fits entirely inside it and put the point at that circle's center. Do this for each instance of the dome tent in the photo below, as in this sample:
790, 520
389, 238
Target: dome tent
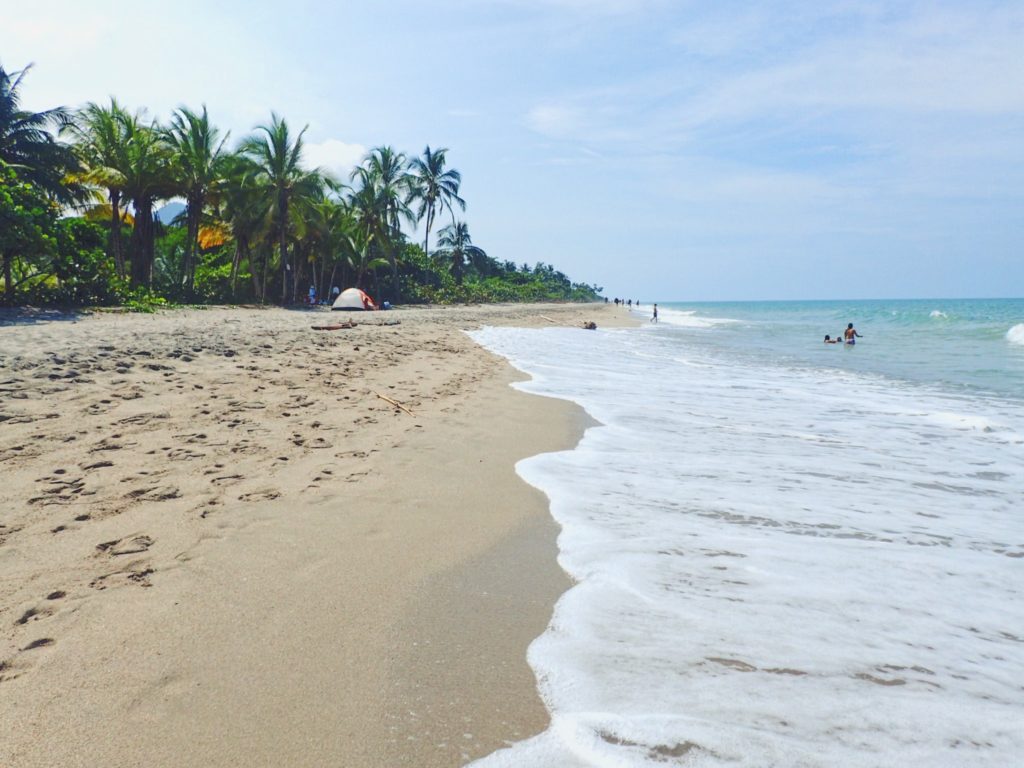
353, 298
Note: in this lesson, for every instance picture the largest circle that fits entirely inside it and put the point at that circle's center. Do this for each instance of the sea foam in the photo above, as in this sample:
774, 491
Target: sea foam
774, 567
1016, 334
683, 318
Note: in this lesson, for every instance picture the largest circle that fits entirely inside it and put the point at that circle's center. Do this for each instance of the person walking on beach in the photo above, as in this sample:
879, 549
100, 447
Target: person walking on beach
851, 335
654, 319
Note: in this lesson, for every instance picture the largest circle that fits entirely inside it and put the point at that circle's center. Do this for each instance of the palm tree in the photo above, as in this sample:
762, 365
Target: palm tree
148, 177
27, 144
101, 145
456, 246
364, 260
310, 194
247, 203
381, 203
277, 158
199, 165
329, 225
434, 188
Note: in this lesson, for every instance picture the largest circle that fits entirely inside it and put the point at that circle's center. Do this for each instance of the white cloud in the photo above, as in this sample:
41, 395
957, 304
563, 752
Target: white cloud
333, 156
553, 119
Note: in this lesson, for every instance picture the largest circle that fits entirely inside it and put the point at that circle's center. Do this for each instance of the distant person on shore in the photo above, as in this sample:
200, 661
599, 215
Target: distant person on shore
851, 335
654, 318
312, 296
629, 303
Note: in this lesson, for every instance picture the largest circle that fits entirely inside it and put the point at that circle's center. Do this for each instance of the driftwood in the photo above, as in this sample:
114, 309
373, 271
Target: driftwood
338, 327
545, 317
394, 403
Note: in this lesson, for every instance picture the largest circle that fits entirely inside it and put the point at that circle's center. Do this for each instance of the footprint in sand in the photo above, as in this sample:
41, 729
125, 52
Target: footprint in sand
110, 444
97, 465
267, 494
183, 454
40, 643
126, 546
33, 614
131, 575
159, 493
227, 479
141, 419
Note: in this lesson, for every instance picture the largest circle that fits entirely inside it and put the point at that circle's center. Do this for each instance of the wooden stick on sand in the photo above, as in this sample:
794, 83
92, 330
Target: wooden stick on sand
549, 319
394, 403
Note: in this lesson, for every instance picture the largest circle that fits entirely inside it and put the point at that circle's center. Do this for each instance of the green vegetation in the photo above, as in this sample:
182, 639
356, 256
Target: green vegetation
79, 191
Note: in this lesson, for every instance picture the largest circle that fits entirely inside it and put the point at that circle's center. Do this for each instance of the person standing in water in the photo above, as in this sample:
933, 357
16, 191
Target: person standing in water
654, 319
851, 335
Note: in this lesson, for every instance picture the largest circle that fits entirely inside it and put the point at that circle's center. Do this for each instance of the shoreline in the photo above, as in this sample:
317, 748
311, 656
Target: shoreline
333, 591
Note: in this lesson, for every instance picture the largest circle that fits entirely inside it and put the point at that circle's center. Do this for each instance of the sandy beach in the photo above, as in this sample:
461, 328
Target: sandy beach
220, 546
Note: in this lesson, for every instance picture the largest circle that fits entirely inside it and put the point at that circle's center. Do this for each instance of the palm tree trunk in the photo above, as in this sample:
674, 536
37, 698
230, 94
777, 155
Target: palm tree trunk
282, 207
393, 259
266, 265
8, 280
115, 232
236, 264
297, 272
426, 237
195, 205
150, 243
140, 245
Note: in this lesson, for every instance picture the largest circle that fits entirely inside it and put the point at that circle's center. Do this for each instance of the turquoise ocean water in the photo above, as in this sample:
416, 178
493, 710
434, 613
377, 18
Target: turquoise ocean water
970, 345
785, 553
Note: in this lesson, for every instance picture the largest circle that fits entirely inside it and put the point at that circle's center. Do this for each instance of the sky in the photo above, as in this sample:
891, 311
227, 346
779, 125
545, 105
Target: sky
691, 151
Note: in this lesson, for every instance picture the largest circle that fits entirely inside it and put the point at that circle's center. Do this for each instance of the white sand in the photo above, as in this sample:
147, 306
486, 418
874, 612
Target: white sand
227, 550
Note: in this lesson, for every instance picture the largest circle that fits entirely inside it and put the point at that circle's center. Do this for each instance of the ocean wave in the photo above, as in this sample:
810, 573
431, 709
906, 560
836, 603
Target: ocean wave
936, 313
689, 319
776, 458
1016, 334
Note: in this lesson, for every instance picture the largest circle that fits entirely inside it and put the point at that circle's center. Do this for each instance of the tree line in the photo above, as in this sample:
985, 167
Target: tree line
80, 191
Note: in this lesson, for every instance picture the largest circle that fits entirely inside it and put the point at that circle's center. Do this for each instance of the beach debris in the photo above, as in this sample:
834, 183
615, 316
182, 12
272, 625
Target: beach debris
394, 403
336, 327
590, 325
550, 320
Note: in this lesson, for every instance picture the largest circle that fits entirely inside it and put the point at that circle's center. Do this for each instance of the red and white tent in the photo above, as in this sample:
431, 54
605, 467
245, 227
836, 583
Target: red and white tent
353, 298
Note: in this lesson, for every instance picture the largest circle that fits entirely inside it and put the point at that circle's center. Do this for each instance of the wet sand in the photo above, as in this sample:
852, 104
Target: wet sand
219, 546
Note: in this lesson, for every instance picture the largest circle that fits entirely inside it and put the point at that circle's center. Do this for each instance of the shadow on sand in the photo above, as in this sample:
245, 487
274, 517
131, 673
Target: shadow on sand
34, 315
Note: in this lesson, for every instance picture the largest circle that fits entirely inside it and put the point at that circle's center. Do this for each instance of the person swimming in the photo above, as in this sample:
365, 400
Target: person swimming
850, 334
830, 340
